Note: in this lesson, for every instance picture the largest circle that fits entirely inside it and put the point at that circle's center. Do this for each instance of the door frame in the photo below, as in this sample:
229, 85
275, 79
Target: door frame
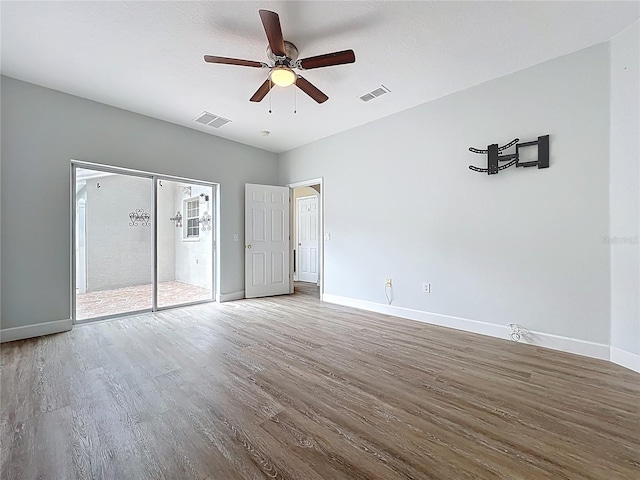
296, 231
308, 183
154, 177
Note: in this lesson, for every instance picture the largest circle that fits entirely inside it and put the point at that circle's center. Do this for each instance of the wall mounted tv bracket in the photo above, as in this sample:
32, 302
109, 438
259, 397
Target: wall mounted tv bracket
494, 158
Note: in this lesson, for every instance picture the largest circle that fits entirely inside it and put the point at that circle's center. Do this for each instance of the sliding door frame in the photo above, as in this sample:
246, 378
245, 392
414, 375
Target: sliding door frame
154, 177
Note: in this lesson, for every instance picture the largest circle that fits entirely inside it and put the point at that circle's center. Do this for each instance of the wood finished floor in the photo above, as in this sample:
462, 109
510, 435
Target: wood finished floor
290, 388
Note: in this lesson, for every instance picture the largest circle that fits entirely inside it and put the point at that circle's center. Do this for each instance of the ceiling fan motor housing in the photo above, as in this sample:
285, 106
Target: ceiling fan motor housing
291, 52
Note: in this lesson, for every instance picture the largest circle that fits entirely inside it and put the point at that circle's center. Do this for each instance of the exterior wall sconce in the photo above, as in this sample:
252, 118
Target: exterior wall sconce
177, 219
205, 221
139, 215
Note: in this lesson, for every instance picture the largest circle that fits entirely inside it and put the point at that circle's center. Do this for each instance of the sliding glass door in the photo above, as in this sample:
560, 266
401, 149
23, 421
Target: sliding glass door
114, 254
141, 242
185, 242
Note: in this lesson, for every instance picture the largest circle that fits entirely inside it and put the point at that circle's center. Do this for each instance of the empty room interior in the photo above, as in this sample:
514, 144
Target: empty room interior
320, 240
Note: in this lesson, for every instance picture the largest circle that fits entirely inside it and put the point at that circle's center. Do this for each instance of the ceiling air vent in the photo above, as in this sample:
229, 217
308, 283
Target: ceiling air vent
374, 93
212, 120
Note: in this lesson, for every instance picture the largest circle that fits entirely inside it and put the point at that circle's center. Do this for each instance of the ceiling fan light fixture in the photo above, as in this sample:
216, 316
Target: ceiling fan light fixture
283, 59
283, 76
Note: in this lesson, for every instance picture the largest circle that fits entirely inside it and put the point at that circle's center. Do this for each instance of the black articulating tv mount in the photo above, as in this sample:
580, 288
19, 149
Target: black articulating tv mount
494, 157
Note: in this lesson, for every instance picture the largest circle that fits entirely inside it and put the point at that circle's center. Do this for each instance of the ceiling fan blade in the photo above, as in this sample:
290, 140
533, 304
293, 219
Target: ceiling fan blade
328, 59
232, 61
271, 23
311, 90
262, 91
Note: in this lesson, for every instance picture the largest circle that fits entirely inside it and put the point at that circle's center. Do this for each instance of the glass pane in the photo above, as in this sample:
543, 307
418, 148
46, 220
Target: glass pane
192, 209
192, 227
185, 267
114, 262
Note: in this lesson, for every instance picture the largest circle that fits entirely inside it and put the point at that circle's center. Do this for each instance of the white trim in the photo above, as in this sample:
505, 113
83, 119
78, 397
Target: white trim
139, 173
625, 359
227, 297
433, 318
555, 342
35, 330
568, 344
154, 244
306, 183
72, 245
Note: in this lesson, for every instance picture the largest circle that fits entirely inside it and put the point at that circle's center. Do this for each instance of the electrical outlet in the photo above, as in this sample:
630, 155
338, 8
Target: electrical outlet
426, 287
387, 282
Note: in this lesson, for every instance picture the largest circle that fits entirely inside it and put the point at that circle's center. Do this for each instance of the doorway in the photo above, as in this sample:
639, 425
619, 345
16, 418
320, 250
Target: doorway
306, 237
141, 242
307, 234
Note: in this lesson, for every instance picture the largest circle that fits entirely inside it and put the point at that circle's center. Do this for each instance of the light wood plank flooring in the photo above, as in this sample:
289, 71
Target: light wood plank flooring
290, 388
306, 288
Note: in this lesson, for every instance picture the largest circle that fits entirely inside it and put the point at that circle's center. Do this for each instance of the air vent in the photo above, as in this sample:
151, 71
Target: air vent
374, 93
212, 120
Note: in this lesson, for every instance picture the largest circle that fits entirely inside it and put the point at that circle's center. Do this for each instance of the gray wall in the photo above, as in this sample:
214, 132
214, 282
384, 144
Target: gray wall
118, 255
624, 191
42, 130
522, 246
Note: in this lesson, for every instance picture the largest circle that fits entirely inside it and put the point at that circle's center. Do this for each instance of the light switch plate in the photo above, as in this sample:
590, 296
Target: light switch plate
327, 236
236, 237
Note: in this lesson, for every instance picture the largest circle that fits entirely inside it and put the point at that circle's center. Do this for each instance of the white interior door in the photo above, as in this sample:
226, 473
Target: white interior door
307, 236
266, 240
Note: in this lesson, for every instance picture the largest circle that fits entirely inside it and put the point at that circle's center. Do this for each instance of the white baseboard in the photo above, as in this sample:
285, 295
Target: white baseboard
228, 297
565, 344
421, 316
35, 330
625, 359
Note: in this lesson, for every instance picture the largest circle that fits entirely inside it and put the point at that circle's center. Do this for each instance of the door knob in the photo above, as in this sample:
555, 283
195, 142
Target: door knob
248, 246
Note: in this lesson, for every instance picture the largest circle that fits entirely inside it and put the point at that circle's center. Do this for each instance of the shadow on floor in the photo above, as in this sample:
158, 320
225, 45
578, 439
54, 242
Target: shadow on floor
306, 288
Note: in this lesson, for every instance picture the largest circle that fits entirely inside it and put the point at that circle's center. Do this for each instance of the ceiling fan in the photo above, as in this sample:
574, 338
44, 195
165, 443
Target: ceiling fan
284, 58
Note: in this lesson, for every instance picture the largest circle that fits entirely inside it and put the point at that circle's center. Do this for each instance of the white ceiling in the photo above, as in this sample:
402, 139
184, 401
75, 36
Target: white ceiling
147, 57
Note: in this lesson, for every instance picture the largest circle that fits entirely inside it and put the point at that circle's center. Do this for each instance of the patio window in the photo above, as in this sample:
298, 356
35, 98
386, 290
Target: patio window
192, 217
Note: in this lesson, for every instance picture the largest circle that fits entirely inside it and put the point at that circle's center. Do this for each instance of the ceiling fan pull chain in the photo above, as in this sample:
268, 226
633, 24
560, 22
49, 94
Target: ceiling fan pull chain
295, 99
270, 89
